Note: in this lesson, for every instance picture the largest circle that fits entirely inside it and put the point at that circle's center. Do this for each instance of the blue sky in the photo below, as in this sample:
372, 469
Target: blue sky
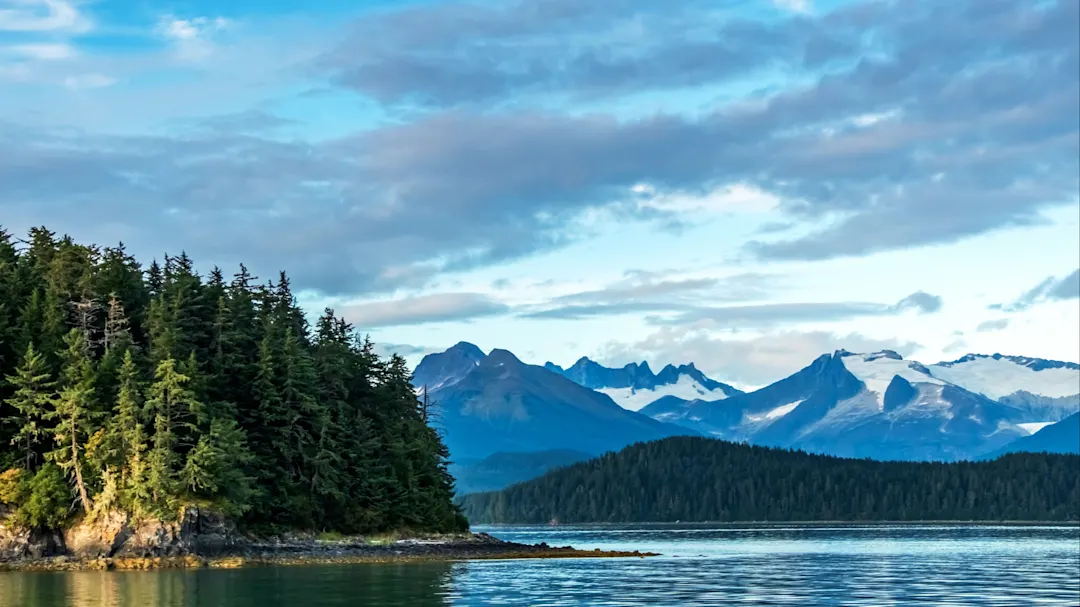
744, 184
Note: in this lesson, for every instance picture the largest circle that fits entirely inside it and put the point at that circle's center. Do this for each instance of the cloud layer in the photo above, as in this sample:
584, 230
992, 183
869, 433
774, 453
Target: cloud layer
877, 126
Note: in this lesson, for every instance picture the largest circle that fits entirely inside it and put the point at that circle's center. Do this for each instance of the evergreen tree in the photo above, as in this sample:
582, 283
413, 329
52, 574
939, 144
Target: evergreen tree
175, 411
32, 400
73, 413
130, 436
246, 409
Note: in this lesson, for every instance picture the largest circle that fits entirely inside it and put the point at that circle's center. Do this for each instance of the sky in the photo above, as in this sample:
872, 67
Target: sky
742, 184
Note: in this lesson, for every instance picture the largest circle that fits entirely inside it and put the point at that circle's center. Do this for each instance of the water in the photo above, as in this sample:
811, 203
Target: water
702, 565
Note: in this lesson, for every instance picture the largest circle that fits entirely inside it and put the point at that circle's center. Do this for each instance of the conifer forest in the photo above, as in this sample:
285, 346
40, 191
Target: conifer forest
147, 387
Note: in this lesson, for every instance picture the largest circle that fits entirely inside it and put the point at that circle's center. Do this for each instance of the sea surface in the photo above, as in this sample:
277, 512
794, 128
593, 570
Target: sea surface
803, 565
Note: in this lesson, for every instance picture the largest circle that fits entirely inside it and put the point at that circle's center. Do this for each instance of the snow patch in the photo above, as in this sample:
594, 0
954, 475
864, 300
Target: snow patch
776, 413
1034, 427
996, 378
878, 371
686, 388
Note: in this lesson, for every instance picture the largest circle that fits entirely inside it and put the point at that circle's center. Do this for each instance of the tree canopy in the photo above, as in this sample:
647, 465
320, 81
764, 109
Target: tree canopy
145, 389
708, 480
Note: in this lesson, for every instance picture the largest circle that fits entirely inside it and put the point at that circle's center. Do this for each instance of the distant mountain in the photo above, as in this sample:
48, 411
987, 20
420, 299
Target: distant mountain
1062, 437
635, 386
501, 470
447, 368
874, 405
498, 403
698, 479
1048, 390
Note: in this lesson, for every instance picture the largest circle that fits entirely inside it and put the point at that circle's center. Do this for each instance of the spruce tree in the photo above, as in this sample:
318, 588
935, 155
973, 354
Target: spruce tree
130, 433
74, 413
32, 400
174, 410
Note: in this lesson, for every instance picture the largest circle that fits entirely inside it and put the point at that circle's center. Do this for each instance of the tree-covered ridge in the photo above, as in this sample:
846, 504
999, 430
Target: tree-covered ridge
147, 389
701, 479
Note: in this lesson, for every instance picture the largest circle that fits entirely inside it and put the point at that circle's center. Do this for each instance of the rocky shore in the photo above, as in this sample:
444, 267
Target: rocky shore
205, 539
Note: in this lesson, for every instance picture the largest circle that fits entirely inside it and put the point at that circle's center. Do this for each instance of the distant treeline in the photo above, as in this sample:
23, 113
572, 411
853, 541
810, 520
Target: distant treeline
700, 479
147, 388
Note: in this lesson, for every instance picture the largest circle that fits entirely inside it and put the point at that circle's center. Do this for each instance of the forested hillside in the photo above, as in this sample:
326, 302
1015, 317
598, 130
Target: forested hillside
147, 388
700, 479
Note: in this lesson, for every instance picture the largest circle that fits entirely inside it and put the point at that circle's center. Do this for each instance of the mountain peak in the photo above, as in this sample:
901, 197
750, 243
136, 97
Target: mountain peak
500, 357
468, 349
442, 369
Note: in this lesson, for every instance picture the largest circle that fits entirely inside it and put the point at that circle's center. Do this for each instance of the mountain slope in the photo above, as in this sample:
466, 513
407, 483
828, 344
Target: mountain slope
635, 386
503, 404
501, 470
698, 479
1047, 390
1061, 437
858, 405
446, 368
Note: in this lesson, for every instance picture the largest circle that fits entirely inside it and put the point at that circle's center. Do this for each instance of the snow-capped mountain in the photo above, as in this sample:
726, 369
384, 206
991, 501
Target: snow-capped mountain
861, 405
1049, 390
635, 386
496, 403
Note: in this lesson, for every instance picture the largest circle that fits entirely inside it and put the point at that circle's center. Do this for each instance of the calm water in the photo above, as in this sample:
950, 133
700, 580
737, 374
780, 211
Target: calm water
702, 565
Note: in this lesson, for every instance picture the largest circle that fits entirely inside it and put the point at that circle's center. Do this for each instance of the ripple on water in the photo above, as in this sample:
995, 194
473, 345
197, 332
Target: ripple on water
805, 565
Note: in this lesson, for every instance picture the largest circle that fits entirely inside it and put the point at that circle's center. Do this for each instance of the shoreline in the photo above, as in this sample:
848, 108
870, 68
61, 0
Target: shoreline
868, 523
475, 547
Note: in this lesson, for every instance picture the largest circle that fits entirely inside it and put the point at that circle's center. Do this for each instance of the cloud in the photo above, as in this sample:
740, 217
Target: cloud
407, 351
906, 125
89, 81
736, 198
251, 121
459, 53
992, 325
957, 345
40, 51
933, 124
1051, 289
40, 16
749, 362
652, 292
441, 307
191, 37
767, 315
919, 301
795, 6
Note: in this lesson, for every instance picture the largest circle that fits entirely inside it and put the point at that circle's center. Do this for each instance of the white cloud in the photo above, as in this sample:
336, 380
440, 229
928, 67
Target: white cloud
42, 52
734, 198
192, 37
795, 6
40, 16
88, 81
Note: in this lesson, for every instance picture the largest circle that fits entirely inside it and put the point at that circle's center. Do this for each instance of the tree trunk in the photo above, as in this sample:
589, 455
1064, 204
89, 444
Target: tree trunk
87, 504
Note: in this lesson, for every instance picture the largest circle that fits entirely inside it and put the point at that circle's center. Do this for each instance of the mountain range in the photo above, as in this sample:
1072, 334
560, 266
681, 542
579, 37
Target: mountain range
881, 406
636, 386
876, 405
495, 403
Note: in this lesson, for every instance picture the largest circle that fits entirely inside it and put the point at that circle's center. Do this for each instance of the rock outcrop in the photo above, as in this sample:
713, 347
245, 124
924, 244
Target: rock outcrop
115, 534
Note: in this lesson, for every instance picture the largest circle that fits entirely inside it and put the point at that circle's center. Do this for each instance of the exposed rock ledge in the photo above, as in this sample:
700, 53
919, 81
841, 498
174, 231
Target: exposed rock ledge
206, 539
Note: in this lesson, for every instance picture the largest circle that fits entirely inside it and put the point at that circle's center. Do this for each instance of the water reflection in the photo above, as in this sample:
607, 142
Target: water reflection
391, 585
702, 565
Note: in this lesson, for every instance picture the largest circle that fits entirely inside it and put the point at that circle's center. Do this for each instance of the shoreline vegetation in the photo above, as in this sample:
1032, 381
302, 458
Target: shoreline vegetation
701, 479
307, 551
141, 403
